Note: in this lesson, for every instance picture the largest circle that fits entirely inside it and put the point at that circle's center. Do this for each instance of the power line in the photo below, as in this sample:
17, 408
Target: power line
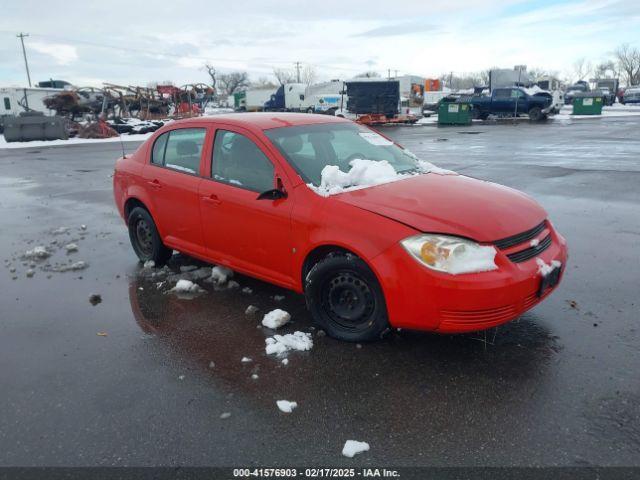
24, 54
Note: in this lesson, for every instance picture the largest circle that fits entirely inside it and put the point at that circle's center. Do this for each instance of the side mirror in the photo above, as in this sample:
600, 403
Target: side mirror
273, 194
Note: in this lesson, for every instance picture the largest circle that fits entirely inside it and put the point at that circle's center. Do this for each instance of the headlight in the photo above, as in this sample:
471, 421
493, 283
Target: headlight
448, 254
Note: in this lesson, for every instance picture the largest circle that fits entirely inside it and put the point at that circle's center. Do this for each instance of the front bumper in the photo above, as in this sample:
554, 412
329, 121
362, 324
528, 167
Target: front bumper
423, 299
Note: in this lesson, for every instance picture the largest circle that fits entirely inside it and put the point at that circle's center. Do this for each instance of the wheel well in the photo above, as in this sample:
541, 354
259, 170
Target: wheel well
132, 203
317, 254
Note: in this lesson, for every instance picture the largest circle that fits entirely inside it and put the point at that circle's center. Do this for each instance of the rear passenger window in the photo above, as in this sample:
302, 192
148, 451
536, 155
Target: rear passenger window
180, 149
157, 156
238, 161
7, 103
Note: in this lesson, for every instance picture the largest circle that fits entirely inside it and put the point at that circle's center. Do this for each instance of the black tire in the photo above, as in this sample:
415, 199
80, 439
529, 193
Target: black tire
345, 299
536, 115
145, 238
310, 110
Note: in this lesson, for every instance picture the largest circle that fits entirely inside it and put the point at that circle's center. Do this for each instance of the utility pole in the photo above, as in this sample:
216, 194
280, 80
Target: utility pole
24, 54
298, 71
388, 74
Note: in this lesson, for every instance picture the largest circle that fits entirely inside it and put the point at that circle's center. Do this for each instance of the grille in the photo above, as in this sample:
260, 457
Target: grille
520, 237
524, 255
468, 317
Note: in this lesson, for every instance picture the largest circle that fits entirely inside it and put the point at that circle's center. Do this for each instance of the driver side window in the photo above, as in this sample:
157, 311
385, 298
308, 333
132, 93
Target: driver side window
238, 161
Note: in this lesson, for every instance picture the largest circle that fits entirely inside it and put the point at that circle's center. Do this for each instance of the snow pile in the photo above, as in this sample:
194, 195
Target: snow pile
71, 247
276, 318
280, 344
220, 274
544, 268
428, 167
470, 259
363, 173
38, 252
79, 265
286, 406
367, 173
186, 286
353, 447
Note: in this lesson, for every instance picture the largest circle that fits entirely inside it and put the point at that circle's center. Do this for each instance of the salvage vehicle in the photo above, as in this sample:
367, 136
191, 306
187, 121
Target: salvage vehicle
578, 88
512, 101
374, 237
287, 98
609, 89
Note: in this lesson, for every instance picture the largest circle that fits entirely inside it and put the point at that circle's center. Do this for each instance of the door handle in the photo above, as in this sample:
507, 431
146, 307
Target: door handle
155, 184
212, 199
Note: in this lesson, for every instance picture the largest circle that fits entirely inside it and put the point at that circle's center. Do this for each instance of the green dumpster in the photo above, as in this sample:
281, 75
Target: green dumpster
587, 105
457, 113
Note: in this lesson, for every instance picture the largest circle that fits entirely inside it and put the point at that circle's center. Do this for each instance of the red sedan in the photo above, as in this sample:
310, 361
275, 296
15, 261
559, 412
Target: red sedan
371, 235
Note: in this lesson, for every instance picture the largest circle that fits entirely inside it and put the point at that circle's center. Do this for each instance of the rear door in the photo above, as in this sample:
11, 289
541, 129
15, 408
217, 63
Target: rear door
173, 178
241, 231
501, 100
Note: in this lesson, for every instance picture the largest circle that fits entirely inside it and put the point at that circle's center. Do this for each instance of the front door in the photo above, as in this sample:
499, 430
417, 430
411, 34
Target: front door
173, 179
241, 231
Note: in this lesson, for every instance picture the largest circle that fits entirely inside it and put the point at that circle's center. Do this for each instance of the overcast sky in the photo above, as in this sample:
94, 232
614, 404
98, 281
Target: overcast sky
131, 42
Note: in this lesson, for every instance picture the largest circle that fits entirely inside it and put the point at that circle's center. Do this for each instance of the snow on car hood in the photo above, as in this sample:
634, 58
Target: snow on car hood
452, 204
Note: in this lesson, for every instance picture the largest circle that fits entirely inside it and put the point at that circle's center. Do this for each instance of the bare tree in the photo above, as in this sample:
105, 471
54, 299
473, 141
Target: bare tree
233, 81
264, 82
606, 69
537, 72
212, 73
582, 68
628, 58
369, 74
283, 76
308, 75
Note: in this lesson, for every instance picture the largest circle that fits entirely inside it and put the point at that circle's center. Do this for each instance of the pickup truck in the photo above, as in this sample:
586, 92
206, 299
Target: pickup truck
502, 102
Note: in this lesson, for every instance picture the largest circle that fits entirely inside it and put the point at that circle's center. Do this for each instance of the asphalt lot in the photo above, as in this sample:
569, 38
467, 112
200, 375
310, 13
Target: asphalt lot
560, 386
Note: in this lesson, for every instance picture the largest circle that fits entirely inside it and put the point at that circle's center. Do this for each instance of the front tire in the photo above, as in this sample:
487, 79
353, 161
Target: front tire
536, 115
345, 299
145, 238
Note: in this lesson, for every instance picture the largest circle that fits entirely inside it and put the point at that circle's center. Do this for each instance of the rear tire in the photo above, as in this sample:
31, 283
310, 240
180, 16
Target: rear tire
145, 238
345, 299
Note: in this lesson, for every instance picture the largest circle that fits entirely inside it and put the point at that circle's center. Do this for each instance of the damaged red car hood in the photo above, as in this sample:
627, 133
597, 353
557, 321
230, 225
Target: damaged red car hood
451, 204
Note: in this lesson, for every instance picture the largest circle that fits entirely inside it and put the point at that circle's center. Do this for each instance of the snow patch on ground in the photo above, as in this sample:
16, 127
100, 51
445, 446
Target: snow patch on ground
72, 141
286, 406
245, 360
38, 252
220, 274
276, 318
186, 286
353, 447
251, 309
280, 344
149, 264
71, 247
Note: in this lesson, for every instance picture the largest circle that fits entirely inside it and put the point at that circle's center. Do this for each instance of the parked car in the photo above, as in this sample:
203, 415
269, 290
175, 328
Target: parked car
277, 197
502, 102
631, 95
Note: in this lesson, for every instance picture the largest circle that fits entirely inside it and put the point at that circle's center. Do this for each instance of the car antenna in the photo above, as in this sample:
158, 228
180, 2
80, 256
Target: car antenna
124, 155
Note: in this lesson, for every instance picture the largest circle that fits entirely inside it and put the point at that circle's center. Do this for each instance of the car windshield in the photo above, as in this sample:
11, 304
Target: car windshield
310, 148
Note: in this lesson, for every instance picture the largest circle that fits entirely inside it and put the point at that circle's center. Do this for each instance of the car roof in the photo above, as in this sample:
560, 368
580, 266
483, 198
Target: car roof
266, 120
